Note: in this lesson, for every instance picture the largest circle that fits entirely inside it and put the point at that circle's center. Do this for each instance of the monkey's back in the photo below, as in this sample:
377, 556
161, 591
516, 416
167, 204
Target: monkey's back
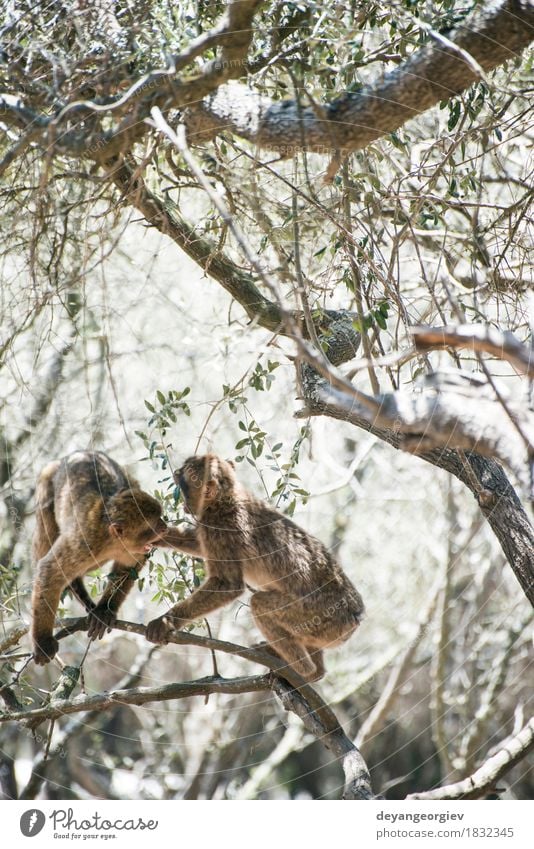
83, 481
277, 553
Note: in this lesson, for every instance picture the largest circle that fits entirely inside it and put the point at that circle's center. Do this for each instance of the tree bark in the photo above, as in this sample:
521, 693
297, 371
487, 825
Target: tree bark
482, 475
494, 34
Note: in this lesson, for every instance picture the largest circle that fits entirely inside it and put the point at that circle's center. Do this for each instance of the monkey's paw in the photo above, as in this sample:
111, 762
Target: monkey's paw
101, 620
160, 629
44, 649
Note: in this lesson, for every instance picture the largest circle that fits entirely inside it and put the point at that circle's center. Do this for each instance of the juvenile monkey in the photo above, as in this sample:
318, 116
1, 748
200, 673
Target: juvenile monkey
88, 512
302, 600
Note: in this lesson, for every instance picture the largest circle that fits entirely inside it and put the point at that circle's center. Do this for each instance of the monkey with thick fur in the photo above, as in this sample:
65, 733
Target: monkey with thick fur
302, 601
89, 511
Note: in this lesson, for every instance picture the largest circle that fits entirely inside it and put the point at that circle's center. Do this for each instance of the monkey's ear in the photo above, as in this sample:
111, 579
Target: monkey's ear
231, 463
116, 530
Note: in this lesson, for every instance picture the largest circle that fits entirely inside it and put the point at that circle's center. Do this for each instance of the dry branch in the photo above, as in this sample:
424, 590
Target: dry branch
484, 780
478, 337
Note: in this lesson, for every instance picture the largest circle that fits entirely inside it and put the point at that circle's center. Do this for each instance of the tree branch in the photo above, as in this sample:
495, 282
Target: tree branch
485, 779
478, 337
482, 475
331, 735
343, 340
495, 33
454, 411
159, 87
139, 696
293, 692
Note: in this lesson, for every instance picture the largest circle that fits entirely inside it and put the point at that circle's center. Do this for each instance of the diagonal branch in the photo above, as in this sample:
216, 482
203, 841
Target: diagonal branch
484, 780
343, 340
482, 475
494, 34
357, 778
233, 34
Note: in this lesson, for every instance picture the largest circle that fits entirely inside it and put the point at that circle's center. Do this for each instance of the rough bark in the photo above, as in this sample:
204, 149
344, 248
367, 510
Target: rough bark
482, 475
494, 34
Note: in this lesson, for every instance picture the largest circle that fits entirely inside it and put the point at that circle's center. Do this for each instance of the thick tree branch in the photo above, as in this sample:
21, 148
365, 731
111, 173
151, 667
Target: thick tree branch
484, 780
482, 475
495, 33
452, 412
256, 655
357, 778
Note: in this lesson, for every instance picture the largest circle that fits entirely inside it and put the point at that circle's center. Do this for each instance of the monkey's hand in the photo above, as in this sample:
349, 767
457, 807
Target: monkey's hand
101, 620
44, 649
160, 629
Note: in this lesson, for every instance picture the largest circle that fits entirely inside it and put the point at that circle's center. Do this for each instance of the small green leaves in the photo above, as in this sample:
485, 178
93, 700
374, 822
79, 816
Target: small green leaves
164, 413
377, 316
262, 377
254, 442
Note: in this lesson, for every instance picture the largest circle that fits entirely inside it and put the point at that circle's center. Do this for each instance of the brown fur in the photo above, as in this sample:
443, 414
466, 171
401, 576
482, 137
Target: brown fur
88, 512
302, 600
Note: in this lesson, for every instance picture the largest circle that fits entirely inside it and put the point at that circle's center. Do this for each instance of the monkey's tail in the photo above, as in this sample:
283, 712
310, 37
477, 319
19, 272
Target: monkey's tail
46, 529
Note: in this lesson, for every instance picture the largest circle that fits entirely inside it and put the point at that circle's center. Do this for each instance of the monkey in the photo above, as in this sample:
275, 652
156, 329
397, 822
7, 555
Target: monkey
302, 601
89, 511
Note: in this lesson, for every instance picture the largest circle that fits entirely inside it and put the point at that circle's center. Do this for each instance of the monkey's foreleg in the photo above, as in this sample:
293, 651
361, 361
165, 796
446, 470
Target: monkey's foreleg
103, 615
77, 588
214, 593
186, 541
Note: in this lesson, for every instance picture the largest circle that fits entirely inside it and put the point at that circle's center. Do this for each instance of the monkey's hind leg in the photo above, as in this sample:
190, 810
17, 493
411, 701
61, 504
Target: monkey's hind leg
46, 529
318, 658
50, 581
270, 612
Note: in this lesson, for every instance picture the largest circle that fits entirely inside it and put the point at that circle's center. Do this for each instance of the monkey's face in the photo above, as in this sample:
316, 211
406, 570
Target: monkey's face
203, 480
137, 521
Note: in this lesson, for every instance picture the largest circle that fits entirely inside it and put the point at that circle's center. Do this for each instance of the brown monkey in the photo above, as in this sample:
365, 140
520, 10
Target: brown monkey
302, 600
88, 512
